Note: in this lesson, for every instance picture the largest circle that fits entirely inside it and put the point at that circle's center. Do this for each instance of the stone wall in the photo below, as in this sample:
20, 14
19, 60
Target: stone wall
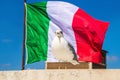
62, 74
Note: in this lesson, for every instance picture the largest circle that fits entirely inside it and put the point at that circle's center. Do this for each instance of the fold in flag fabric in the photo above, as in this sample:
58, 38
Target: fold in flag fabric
82, 31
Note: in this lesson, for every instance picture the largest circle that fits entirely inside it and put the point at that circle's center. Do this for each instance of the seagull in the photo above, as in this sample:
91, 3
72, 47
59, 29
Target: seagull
62, 50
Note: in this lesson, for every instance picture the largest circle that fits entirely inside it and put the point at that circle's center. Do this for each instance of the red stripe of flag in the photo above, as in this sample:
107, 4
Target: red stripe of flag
89, 34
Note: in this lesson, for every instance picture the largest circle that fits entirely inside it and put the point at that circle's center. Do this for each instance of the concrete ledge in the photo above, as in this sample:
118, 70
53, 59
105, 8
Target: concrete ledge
62, 74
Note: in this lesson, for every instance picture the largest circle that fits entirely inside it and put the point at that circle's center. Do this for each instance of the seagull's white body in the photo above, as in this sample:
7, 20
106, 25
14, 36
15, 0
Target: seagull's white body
61, 49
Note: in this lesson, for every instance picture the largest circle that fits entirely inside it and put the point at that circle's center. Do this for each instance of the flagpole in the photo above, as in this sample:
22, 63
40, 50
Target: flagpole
23, 49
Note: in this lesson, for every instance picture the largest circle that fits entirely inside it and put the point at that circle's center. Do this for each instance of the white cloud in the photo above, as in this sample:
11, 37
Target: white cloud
112, 58
5, 65
6, 40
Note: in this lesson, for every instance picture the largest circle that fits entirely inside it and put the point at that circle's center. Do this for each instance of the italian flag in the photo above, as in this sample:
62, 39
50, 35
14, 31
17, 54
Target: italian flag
82, 31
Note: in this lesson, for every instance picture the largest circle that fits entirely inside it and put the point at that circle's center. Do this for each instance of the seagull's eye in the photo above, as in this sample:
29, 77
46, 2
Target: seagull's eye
61, 32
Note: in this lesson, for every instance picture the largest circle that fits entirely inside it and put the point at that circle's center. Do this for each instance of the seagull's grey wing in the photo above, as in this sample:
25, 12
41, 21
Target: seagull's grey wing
73, 51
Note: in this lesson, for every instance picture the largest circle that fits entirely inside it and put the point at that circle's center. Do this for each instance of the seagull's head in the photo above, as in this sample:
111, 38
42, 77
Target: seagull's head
59, 33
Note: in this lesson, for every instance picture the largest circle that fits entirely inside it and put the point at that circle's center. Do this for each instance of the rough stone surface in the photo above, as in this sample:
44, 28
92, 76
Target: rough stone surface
62, 74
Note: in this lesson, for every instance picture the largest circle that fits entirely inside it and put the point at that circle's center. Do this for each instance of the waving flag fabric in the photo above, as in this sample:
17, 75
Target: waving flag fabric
82, 31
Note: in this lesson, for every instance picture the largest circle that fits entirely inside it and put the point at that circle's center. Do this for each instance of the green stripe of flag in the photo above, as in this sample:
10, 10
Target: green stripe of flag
37, 25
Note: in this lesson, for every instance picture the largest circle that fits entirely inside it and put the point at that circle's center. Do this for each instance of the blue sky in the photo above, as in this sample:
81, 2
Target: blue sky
11, 31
